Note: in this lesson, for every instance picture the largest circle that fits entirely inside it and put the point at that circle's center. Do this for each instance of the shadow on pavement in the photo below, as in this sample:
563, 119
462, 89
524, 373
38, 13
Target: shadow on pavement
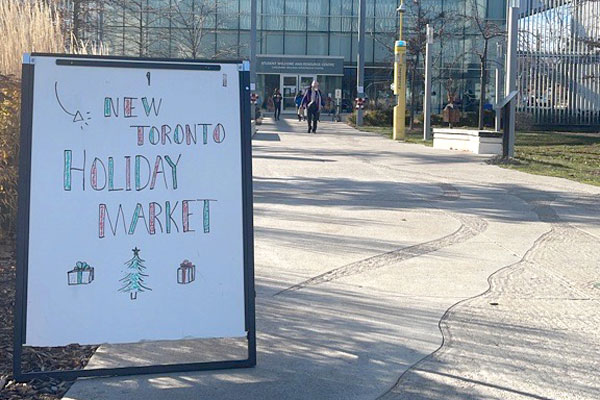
269, 137
502, 202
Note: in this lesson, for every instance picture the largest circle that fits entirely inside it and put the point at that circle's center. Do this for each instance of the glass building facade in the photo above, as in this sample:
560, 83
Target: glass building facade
310, 30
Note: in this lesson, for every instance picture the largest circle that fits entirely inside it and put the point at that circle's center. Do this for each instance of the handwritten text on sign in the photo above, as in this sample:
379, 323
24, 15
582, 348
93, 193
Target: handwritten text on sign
86, 172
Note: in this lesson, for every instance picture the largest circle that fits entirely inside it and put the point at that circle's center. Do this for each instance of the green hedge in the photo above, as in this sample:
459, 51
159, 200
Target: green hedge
385, 117
471, 119
378, 117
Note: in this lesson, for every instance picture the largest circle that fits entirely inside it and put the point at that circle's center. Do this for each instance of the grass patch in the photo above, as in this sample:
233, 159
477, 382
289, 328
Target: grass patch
414, 136
565, 155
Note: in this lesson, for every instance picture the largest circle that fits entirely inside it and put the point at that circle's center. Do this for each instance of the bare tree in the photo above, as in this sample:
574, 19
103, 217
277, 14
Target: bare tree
486, 31
78, 18
419, 14
588, 13
196, 19
81, 24
135, 16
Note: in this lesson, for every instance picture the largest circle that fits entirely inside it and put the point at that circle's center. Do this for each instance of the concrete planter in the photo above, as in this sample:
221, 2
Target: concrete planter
478, 142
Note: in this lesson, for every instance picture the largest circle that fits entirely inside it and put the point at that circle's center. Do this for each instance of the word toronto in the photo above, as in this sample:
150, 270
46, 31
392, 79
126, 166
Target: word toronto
138, 172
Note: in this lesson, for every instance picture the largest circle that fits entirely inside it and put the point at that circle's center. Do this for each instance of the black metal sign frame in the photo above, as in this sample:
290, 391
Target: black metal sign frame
28, 75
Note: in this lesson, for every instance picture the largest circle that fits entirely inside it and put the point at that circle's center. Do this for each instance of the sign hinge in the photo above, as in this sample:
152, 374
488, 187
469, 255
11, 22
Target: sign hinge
27, 59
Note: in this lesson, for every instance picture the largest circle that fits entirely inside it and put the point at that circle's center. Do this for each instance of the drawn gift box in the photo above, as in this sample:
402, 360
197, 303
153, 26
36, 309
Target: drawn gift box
186, 273
82, 274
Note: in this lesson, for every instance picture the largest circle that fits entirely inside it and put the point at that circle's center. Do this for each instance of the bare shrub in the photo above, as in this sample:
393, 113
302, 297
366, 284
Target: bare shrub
9, 149
524, 121
27, 26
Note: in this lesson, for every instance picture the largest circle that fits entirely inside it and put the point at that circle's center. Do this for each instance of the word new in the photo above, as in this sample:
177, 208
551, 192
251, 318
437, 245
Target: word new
139, 176
112, 107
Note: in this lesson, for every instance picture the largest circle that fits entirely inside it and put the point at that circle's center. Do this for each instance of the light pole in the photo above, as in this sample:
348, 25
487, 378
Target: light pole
360, 60
400, 79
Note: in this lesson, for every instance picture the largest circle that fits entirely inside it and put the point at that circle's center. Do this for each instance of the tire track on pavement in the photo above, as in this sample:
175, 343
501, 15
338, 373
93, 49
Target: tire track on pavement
443, 325
550, 364
471, 226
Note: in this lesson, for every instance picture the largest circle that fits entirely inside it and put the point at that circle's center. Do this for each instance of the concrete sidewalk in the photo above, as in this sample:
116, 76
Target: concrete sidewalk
363, 244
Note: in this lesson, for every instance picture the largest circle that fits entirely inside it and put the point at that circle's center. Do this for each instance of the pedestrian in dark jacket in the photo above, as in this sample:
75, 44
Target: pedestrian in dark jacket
298, 101
313, 102
277, 103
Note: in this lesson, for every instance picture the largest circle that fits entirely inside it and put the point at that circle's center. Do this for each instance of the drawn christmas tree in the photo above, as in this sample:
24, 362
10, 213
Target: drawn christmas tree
133, 281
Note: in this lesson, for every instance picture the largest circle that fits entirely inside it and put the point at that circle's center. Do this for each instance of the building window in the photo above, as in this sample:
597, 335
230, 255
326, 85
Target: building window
295, 15
227, 14
383, 44
272, 43
318, 11
295, 43
272, 11
244, 48
340, 45
227, 44
317, 44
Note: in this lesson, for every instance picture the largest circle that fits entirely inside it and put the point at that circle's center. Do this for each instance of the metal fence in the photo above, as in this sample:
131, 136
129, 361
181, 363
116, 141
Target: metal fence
559, 63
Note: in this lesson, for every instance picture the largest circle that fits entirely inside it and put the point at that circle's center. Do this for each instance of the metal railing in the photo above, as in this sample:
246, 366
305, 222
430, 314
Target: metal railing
559, 62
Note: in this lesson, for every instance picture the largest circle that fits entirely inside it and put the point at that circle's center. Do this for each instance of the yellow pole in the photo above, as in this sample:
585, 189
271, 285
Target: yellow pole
400, 84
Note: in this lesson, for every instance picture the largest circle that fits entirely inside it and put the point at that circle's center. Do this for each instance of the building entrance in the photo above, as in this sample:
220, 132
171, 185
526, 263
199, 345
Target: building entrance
290, 86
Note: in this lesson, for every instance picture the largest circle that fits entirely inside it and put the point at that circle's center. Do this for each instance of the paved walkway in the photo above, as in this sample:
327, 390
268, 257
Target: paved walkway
395, 271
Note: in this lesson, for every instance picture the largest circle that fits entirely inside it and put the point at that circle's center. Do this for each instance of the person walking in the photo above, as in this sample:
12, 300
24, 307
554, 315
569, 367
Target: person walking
298, 101
329, 105
313, 102
277, 103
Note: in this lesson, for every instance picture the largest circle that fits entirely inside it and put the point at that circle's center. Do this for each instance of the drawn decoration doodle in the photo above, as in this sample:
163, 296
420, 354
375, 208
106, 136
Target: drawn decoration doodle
82, 274
77, 115
133, 281
186, 273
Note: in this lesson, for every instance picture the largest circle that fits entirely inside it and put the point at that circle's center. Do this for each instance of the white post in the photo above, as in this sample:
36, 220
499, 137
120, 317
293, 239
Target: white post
499, 85
360, 58
512, 28
427, 99
253, 54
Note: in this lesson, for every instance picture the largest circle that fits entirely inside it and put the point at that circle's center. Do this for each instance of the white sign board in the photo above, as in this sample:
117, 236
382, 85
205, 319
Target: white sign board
136, 206
338, 93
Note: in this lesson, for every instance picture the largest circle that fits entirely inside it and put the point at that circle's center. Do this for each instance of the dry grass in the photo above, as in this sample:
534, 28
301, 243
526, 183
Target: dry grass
27, 26
86, 47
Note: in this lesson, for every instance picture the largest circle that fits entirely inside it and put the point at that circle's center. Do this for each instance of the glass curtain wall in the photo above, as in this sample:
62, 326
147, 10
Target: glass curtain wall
325, 27
217, 28
456, 50
220, 29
